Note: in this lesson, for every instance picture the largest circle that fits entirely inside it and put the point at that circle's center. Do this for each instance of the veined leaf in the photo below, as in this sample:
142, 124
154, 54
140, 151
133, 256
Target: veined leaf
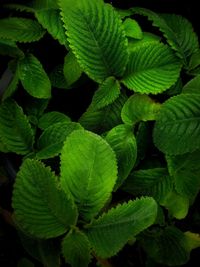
106, 94
132, 29
139, 108
147, 38
50, 118
40, 207
123, 13
152, 68
109, 233
193, 86
45, 4
20, 29
88, 171
33, 77
122, 141
15, 130
52, 139
50, 19
177, 128
96, 37
76, 249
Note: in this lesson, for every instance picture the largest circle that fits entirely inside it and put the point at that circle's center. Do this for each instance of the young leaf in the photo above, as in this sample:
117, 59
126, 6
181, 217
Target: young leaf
106, 94
132, 29
15, 130
110, 232
96, 37
88, 171
193, 86
41, 207
50, 118
177, 128
122, 141
76, 249
20, 29
33, 77
139, 108
152, 68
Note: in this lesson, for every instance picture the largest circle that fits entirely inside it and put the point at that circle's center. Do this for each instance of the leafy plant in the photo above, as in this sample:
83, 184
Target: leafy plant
126, 171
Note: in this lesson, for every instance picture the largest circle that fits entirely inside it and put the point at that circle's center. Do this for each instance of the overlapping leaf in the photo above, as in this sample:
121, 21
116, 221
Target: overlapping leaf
50, 118
132, 29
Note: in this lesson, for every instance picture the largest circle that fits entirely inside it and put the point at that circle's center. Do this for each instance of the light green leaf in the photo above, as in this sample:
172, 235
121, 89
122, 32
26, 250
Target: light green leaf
152, 68
15, 130
76, 249
51, 141
33, 77
193, 86
122, 141
177, 128
20, 29
109, 233
132, 29
192, 240
88, 171
106, 94
139, 108
40, 206
147, 38
50, 118
123, 13
96, 37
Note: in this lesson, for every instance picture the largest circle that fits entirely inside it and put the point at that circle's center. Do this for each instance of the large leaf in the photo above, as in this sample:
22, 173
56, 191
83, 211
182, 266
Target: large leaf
109, 233
122, 141
139, 108
76, 249
15, 130
88, 171
33, 77
96, 37
152, 68
50, 118
177, 128
40, 207
20, 29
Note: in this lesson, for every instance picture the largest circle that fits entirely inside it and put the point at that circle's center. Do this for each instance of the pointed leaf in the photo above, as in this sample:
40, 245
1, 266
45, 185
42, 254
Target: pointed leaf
88, 171
50, 118
139, 108
33, 77
12, 86
40, 207
177, 128
152, 68
20, 29
122, 141
193, 86
15, 130
76, 249
96, 37
132, 29
109, 233
192, 240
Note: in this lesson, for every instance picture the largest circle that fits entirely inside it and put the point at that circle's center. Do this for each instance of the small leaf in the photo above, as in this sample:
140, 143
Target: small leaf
33, 77
9, 47
50, 118
193, 86
132, 29
20, 29
122, 141
110, 232
40, 207
139, 108
106, 94
57, 78
76, 249
192, 240
12, 86
152, 68
88, 171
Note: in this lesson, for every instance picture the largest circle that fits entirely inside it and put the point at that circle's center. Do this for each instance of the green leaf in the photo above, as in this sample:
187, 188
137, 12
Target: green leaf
109, 233
185, 170
9, 47
192, 240
88, 171
50, 20
152, 68
123, 13
51, 141
13, 84
151, 182
33, 77
122, 141
15, 130
45, 4
20, 7
139, 108
177, 128
20, 29
106, 94
96, 37
50, 118
147, 38
132, 29
57, 78
41, 207
194, 61
76, 249
193, 86
36, 107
